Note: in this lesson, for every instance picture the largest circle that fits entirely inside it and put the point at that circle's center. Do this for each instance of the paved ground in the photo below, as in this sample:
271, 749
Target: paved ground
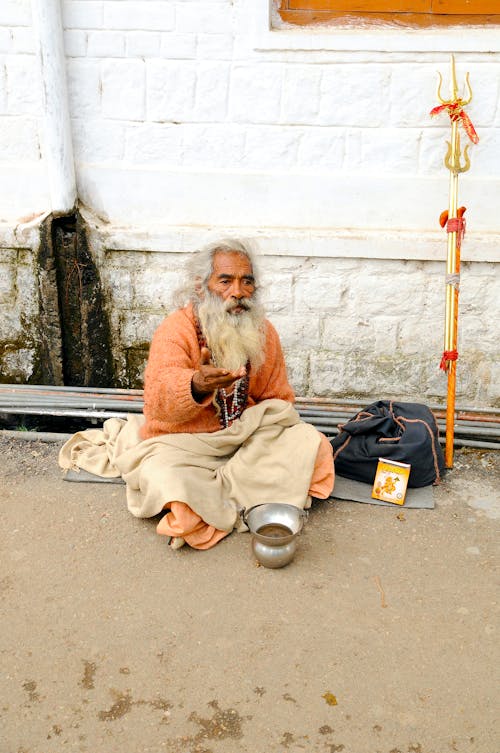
380, 637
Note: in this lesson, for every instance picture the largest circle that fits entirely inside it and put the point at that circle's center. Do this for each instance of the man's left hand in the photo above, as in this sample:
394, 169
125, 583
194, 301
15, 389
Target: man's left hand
209, 378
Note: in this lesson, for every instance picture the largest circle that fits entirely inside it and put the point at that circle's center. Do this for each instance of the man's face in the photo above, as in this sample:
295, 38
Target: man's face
232, 280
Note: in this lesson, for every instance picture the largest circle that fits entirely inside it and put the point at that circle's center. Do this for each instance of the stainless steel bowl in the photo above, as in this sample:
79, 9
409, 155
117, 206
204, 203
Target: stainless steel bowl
274, 528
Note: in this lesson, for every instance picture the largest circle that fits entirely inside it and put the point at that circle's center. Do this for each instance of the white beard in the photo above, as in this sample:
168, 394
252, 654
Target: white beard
233, 339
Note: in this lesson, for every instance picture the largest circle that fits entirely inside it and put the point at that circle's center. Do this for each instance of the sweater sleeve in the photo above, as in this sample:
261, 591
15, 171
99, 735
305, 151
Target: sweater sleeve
173, 358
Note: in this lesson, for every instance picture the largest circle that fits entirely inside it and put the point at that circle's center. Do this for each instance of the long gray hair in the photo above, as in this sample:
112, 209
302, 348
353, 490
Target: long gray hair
199, 268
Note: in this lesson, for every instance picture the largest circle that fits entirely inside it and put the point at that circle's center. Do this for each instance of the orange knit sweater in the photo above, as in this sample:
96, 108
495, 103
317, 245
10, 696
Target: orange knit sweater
169, 406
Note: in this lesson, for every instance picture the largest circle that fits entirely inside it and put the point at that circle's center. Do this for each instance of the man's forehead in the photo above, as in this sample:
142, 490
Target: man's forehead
231, 263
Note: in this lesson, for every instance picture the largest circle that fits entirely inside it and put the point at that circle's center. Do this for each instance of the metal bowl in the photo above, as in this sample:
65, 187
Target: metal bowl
274, 528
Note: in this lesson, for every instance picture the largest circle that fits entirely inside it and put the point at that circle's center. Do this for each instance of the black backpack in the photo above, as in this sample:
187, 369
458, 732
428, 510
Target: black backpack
405, 432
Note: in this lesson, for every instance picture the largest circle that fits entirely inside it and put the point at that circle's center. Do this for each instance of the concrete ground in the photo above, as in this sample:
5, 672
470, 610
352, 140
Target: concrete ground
380, 637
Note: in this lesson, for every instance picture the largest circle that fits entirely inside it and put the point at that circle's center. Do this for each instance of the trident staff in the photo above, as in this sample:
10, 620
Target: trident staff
454, 221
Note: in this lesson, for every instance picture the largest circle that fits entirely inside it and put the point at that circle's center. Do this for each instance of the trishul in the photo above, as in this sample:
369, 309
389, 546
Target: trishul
455, 107
452, 158
454, 222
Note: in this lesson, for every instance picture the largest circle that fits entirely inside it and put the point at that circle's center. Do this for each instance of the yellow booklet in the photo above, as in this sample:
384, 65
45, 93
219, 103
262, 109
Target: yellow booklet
391, 480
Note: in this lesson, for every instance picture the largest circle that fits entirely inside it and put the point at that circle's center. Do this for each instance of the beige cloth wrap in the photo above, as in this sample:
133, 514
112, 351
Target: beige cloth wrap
267, 455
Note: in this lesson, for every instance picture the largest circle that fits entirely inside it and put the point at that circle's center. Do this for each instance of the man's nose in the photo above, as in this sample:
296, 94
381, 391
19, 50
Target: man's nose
236, 291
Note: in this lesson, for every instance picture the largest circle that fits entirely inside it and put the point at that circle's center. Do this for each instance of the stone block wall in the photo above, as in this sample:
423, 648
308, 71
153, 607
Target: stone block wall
349, 330
19, 306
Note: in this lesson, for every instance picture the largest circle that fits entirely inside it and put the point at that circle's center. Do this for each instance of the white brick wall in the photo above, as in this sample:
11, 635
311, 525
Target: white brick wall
214, 145
75, 43
256, 93
84, 88
19, 139
183, 127
23, 189
215, 46
211, 17
212, 86
105, 44
175, 46
22, 40
301, 94
154, 15
95, 141
15, 13
22, 85
143, 44
83, 14
122, 84
170, 90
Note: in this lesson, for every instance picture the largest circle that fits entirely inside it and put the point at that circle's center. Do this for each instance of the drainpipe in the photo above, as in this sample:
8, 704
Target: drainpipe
57, 146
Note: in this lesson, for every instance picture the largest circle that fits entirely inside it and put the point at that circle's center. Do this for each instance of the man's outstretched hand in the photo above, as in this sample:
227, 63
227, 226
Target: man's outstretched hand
209, 378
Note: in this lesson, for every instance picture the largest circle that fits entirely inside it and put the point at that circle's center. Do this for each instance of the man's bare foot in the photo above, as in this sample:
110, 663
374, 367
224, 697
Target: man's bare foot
177, 542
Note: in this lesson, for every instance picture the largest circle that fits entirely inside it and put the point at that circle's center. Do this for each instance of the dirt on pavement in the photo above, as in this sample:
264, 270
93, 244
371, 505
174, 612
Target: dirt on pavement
380, 636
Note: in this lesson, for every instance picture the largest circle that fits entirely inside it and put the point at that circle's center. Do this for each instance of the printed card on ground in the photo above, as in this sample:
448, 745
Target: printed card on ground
391, 481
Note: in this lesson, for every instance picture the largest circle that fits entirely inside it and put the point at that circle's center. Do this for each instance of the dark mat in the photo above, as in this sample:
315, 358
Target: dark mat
355, 491
86, 477
345, 490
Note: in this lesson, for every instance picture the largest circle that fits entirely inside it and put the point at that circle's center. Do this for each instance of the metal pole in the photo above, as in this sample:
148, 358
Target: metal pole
57, 143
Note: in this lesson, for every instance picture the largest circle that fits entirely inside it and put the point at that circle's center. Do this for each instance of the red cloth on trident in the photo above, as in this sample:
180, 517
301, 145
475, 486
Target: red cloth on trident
456, 225
448, 355
456, 112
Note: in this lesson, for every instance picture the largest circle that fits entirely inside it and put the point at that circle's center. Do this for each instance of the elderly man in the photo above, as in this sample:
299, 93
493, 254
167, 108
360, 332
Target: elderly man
219, 433
210, 362
218, 355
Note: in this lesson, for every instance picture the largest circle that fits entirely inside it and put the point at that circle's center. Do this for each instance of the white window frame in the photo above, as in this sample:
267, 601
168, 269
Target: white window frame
449, 39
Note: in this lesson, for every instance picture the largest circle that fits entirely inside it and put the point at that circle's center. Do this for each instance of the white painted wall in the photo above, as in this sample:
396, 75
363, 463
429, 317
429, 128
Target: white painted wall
23, 179
176, 107
193, 119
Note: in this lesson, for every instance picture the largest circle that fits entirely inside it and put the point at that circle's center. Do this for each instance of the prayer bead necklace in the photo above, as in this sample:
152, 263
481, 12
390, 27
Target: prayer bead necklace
230, 407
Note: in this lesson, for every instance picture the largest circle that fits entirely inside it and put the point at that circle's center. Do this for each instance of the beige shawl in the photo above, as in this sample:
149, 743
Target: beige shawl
267, 455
